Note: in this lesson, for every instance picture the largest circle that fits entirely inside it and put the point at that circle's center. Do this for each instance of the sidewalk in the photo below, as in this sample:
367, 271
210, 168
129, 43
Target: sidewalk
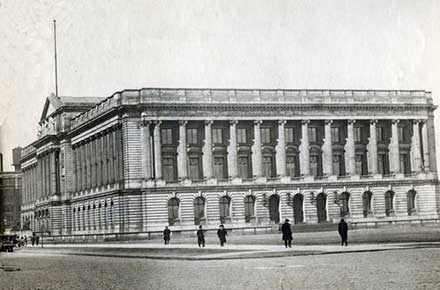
210, 252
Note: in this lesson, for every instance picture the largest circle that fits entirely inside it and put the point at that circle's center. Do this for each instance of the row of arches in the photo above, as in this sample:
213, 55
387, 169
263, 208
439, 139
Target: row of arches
296, 202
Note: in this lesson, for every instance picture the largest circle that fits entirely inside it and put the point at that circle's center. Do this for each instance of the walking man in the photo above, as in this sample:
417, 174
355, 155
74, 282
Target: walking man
221, 233
343, 232
287, 233
201, 237
166, 235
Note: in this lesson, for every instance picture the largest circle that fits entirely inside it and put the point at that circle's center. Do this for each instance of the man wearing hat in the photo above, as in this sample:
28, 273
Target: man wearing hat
287, 233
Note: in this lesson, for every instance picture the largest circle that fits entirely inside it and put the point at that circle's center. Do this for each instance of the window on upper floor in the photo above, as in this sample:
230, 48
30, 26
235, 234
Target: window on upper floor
313, 134
217, 135
191, 136
265, 135
336, 134
167, 136
241, 136
357, 134
289, 133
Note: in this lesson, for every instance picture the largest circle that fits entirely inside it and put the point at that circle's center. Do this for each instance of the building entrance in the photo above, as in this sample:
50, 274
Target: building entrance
298, 213
274, 208
321, 201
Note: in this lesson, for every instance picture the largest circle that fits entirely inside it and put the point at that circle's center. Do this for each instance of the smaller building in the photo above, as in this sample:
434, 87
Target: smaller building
10, 197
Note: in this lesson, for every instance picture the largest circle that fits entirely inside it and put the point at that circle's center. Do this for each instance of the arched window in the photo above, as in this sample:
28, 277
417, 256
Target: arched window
345, 210
366, 203
249, 208
225, 208
389, 197
199, 209
411, 201
173, 210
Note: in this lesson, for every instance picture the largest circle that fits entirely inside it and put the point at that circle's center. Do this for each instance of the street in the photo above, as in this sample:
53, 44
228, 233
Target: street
391, 269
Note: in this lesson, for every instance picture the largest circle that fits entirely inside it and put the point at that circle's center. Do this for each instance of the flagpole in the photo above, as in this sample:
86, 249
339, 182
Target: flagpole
55, 51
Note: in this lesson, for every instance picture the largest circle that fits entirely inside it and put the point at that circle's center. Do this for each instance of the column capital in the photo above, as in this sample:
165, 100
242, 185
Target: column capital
395, 121
417, 121
258, 122
351, 122
157, 123
208, 122
328, 122
233, 122
282, 122
305, 122
373, 121
145, 123
183, 122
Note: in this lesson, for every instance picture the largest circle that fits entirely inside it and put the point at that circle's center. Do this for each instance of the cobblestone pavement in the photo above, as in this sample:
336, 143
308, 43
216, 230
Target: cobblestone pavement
398, 269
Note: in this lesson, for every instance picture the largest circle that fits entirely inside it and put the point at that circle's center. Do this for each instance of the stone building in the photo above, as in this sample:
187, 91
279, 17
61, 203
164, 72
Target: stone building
142, 159
10, 197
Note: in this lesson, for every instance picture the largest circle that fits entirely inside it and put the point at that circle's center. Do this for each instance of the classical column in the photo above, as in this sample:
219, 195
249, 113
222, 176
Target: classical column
256, 150
327, 153
416, 163
157, 151
111, 157
146, 149
394, 148
350, 162
92, 162
372, 149
99, 159
304, 150
425, 147
232, 150
84, 164
207, 152
105, 158
281, 149
182, 154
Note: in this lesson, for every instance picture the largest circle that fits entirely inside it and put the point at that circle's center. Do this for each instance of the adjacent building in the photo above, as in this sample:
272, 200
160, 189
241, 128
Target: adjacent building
142, 159
10, 196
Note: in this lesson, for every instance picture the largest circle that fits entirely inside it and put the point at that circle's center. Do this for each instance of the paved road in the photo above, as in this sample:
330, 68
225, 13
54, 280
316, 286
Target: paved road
395, 269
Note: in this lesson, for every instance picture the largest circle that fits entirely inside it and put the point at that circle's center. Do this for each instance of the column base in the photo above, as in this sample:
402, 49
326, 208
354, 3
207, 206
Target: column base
211, 181
260, 179
160, 182
149, 183
236, 180
377, 176
285, 179
355, 177
309, 178
186, 181
332, 178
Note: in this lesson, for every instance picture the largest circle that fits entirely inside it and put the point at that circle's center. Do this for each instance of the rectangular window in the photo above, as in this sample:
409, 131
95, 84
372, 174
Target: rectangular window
265, 135
241, 136
405, 165
267, 166
314, 165
359, 164
313, 134
168, 169
243, 167
191, 136
357, 134
219, 168
291, 166
194, 168
217, 135
167, 136
381, 163
289, 135
380, 134
336, 135
401, 134
337, 165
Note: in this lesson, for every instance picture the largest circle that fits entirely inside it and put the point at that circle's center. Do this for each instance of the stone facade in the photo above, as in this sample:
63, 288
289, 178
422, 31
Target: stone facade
142, 159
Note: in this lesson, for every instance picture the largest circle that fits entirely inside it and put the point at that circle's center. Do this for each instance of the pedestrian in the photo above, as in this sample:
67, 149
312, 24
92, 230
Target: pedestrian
37, 240
25, 240
221, 233
166, 235
201, 237
287, 233
343, 232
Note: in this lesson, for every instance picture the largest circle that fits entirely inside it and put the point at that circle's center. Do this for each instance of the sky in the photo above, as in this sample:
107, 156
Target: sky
106, 46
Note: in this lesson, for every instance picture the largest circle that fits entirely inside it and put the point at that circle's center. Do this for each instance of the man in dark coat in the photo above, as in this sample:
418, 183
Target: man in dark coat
221, 233
166, 235
287, 233
201, 237
343, 232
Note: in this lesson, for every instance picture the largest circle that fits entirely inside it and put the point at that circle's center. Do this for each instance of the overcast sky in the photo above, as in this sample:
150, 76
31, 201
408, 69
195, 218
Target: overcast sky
106, 46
